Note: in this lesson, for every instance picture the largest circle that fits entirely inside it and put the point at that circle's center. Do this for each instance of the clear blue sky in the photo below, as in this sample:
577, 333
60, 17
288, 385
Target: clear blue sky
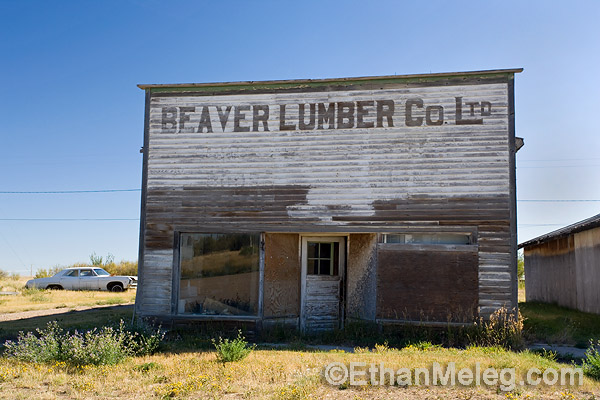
72, 116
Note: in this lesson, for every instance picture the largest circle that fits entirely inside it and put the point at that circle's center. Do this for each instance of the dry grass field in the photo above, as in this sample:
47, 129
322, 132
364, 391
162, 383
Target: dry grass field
34, 299
186, 366
270, 374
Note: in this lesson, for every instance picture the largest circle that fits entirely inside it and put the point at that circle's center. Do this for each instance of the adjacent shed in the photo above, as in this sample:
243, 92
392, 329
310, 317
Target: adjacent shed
314, 202
563, 267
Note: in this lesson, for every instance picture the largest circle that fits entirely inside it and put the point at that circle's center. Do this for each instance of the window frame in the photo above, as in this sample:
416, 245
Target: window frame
467, 231
176, 279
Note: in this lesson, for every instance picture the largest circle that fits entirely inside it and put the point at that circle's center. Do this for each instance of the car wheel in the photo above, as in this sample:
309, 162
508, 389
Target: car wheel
117, 287
54, 287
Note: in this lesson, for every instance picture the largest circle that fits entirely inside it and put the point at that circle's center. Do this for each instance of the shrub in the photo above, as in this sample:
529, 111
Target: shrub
504, 328
232, 350
591, 364
104, 346
45, 273
127, 268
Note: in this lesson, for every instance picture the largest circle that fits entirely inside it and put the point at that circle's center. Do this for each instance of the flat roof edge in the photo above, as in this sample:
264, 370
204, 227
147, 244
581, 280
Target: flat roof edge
325, 80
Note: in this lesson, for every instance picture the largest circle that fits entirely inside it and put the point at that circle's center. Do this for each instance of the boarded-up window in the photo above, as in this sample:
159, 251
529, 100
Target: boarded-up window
427, 282
219, 274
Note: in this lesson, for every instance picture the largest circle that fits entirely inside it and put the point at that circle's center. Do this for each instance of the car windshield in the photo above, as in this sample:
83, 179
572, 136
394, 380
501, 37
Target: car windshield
101, 272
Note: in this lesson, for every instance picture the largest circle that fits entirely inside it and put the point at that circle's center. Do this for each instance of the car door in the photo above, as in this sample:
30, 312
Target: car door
70, 280
88, 280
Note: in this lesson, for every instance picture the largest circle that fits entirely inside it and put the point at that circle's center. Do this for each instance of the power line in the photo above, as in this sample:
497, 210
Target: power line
558, 166
71, 191
560, 201
69, 219
561, 159
534, 225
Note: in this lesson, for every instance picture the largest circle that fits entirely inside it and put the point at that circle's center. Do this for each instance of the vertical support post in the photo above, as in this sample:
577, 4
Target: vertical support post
139, 295
513, 192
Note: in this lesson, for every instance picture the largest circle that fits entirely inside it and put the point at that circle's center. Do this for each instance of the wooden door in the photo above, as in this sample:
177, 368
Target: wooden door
323, 261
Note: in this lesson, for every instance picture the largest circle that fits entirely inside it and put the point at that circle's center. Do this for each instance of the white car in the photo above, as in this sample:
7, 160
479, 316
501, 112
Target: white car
84, 278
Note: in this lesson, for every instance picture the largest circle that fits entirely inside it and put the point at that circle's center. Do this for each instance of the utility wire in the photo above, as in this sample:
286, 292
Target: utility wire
72, 191
557, 166
560, 201
69, 219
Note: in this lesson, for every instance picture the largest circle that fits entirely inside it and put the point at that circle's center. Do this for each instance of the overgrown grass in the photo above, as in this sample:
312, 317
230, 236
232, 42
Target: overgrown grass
503, 329
188, 368
270, 374
69, 320
591, 364
104, 346
11, 282
550, 323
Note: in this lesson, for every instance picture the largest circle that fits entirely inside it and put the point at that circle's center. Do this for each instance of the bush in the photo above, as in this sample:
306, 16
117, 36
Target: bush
106, 346
45, 273
126, 268
504, 329
232, 350
591, 364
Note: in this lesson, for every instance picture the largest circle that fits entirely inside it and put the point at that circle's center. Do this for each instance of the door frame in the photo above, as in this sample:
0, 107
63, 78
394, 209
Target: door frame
328, 238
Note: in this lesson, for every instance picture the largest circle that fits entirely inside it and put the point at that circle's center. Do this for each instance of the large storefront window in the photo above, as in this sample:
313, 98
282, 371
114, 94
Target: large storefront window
219, 274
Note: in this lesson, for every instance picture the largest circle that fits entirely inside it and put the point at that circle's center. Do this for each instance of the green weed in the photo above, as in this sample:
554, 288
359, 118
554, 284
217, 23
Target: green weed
591, 364
232, 349
104, 346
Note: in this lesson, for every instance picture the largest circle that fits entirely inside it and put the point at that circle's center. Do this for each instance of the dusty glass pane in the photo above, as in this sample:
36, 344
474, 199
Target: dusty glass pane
336, 259
313, 251
427, 238
325, 266
325, 250
219, 274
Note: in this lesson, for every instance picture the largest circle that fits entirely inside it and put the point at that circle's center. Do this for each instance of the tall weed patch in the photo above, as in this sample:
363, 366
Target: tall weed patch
591, 364
229, 350
104, 346
504, 329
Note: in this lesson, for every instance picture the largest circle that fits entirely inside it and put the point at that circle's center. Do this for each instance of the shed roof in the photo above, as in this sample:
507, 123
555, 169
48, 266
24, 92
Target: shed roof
589, 223
332, 80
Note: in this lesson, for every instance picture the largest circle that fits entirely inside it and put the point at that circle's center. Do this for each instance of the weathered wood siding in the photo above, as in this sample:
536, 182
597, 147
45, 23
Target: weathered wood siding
440, 156
587, 259
565, 271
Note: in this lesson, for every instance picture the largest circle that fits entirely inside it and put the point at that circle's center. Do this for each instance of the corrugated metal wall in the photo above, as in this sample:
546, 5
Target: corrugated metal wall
331, 180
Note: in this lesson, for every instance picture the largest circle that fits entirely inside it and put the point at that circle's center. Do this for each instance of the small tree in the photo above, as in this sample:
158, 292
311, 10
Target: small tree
521, 266
95, 260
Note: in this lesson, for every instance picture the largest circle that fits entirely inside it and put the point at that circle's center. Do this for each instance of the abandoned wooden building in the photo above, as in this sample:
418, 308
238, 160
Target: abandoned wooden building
563, 267
312, 203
